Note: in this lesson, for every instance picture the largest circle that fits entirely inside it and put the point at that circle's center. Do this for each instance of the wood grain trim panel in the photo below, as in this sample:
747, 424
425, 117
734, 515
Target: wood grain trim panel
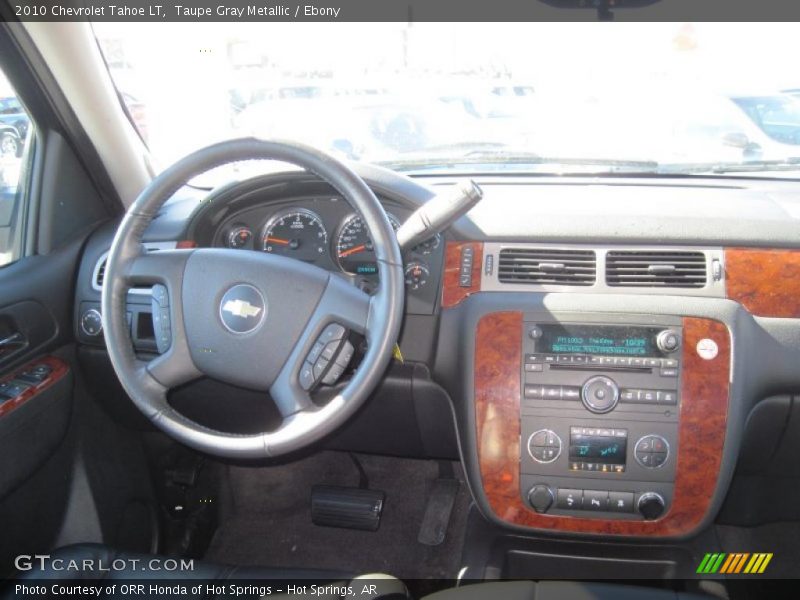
452, 293
704, 409
59, 370
766, 282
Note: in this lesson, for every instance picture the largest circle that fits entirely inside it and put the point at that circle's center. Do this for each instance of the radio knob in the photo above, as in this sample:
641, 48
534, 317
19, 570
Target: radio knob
651, 505
600, 394
668, 341
541, 497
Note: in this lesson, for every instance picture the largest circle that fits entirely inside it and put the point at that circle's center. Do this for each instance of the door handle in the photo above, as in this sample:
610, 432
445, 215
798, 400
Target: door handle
15, 339
10, 345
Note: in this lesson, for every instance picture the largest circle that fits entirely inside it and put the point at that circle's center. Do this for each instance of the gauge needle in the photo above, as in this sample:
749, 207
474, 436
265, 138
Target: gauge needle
354, 250
278, 241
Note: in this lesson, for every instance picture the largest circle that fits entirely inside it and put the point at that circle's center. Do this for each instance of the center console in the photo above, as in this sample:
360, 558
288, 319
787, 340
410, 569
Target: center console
600, 423
599, 411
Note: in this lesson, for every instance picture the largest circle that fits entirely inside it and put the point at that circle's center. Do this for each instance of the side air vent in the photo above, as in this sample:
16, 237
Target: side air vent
644, 268
100, 274
545, 266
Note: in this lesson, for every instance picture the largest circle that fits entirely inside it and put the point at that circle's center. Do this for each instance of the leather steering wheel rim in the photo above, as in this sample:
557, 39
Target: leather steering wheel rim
377, 317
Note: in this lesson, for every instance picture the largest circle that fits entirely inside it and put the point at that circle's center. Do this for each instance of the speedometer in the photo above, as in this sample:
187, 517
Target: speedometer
354, 250
297, 233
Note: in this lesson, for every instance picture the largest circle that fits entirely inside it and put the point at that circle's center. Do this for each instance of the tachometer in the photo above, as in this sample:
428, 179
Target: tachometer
354, 250
297, 233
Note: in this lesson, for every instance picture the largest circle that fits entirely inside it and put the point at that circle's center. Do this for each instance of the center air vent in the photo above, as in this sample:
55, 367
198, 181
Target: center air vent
644, 268
545, 266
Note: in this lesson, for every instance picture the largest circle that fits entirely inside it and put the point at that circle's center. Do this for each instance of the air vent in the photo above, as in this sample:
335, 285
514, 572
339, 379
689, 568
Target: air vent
545, 266
100, 274
644, 268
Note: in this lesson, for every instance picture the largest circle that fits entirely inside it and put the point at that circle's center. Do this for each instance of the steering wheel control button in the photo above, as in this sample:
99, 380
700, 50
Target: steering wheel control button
307, 376
331, 333
541, 497
570, 499
242, 309
160, 295
600, 394
651, 451
162, 328
315, 352
544, 446
92, 322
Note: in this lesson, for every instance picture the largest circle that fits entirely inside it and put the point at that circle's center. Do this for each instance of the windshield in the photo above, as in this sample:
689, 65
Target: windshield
447, 97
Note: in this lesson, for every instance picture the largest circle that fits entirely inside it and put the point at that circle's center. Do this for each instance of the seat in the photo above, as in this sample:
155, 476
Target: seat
98, 562
560, 590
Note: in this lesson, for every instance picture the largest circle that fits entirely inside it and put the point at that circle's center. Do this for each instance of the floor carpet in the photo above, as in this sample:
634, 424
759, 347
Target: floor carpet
270, 523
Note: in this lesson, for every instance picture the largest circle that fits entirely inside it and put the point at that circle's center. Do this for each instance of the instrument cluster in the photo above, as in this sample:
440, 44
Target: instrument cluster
327, 232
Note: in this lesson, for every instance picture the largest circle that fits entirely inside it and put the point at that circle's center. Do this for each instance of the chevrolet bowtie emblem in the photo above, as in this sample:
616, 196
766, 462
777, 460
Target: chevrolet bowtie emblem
241, 308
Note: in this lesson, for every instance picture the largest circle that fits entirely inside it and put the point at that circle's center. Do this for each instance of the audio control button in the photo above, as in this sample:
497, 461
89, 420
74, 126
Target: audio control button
668, 341
534, 391
667, 397
600, 394
552, 392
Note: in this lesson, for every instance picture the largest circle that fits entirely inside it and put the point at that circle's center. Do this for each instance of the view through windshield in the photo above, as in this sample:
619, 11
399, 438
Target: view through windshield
468, 96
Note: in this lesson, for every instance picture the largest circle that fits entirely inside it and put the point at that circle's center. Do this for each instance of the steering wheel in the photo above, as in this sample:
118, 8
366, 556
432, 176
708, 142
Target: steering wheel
251, 319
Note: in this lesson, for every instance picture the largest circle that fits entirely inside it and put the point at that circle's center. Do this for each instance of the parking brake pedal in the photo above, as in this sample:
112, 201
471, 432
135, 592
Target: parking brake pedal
346, 507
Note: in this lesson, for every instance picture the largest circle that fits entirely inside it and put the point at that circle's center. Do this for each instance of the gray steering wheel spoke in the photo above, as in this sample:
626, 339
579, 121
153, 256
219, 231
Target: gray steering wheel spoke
323, 351
164, 270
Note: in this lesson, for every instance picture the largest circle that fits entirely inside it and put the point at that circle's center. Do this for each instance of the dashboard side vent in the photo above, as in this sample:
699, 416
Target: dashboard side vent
645, 268
545, 266
100, 274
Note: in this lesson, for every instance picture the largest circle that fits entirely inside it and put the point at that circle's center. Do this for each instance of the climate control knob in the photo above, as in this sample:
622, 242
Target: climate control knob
600, 394
651, 505
668, 341
541, 497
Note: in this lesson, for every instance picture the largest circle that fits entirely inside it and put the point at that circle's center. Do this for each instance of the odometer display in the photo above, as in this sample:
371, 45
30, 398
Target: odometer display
355, 252
297, 233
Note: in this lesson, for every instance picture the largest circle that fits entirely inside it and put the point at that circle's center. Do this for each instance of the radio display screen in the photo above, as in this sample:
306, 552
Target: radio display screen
598, 339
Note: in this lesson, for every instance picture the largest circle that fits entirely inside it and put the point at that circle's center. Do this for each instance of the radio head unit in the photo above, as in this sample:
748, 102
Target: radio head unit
599, 412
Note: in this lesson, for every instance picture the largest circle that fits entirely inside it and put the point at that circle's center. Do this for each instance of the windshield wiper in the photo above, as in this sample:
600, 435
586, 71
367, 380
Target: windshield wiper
757, 166
496, 155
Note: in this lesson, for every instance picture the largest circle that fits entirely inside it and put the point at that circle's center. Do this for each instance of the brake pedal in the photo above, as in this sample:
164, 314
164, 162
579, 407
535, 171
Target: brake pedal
346, 507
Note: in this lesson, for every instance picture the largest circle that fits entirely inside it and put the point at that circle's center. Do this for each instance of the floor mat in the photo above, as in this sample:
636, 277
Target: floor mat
271, 521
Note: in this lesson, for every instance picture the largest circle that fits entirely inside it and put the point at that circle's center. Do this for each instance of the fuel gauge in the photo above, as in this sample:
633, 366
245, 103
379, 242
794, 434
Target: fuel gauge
240, 237
416, 275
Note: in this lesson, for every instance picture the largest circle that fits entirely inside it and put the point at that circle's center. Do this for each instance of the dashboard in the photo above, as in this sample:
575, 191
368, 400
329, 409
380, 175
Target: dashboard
600, 343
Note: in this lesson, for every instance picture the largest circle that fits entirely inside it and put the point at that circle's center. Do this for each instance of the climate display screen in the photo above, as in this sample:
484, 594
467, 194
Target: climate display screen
598, 449
598, 339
